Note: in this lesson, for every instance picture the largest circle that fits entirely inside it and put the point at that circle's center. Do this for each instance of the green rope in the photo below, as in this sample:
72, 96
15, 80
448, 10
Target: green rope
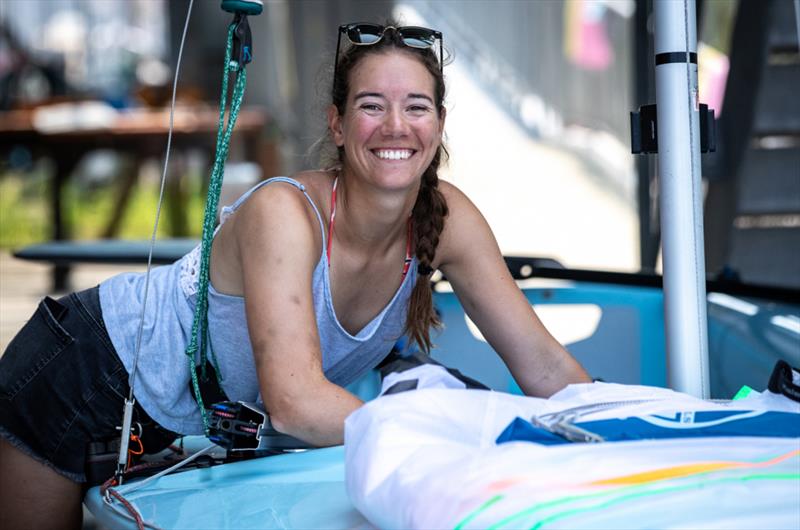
200, 322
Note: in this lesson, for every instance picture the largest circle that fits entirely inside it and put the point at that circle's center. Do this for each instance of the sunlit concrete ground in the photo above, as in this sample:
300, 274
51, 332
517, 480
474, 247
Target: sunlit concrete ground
539, 200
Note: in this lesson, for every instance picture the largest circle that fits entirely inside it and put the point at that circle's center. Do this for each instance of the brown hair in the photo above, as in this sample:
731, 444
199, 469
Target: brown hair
430, 210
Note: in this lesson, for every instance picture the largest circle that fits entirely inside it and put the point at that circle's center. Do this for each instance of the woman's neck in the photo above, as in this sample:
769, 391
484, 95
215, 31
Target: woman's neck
370, 218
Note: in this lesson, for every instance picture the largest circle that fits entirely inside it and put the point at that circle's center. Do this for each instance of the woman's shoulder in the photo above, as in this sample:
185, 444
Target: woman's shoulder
288, 192
464, 226
282, 203
276, 219
457, 200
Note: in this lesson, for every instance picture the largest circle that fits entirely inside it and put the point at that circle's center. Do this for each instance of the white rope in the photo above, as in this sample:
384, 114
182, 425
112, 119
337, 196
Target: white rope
137, 485
127, 411
160, 203
126, 490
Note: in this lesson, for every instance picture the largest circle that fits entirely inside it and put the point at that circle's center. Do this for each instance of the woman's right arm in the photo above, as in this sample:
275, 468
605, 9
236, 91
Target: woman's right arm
278, 243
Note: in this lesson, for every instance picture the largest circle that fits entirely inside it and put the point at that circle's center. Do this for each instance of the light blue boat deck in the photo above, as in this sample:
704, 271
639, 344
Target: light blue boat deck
299, 490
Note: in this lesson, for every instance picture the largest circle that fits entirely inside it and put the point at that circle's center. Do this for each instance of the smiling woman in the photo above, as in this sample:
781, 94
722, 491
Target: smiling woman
313, 279
390, 94
389, 131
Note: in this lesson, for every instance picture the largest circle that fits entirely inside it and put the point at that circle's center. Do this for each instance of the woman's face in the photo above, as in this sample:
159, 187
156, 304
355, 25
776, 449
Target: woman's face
391, 128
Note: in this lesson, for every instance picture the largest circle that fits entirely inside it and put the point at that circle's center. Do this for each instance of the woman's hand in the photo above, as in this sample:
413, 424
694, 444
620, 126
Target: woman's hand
469, 257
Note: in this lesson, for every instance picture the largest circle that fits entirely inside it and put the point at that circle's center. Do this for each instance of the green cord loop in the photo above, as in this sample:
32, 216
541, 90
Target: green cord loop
200, 322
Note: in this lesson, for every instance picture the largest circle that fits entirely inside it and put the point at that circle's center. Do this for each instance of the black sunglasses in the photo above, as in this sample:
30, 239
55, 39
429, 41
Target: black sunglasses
366, 34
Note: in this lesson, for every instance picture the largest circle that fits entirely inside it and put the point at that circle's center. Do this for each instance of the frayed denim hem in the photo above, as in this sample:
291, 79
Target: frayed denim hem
22, 446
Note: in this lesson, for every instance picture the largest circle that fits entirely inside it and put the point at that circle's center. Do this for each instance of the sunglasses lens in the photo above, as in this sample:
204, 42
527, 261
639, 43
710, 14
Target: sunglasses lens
365, 33
417, 37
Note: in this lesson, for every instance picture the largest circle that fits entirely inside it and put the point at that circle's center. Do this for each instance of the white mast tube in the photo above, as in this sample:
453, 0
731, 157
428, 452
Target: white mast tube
681, 196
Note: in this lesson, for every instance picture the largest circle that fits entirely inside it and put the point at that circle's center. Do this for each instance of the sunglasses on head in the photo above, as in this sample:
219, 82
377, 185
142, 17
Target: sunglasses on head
366, 34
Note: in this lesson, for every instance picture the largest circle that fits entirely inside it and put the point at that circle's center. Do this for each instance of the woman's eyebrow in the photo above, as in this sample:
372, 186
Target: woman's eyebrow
368, 95
421, 96
411, 95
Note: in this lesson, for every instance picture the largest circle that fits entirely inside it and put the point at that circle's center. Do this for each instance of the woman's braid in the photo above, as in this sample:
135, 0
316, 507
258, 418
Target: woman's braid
428, 217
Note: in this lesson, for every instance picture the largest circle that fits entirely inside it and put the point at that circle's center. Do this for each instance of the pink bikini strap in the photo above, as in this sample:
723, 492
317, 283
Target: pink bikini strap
332, 221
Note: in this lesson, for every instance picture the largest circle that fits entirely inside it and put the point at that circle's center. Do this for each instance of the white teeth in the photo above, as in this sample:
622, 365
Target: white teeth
393, 154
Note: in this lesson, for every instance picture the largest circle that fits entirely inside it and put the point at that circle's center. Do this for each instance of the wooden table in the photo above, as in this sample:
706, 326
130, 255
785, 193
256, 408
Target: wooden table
139, 133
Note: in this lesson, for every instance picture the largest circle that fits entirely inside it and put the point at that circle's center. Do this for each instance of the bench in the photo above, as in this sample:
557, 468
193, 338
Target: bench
108, 251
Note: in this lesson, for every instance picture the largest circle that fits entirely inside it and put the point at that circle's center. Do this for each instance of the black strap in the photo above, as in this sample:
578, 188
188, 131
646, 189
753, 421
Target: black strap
210, 390
402, 386
781, 381
394, 362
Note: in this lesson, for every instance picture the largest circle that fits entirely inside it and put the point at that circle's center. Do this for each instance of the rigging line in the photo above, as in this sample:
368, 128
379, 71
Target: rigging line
160, 203
130, 488
797, 19
693, 117
131, 512
131, 516
200, 319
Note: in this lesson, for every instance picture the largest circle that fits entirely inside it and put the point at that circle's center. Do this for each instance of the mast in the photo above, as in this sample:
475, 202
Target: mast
681, 196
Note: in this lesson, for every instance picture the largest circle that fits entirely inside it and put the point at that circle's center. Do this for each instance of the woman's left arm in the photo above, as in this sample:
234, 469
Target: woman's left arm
470, 258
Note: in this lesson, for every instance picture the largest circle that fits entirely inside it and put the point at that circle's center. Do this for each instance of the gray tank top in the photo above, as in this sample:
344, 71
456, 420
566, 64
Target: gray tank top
162, 381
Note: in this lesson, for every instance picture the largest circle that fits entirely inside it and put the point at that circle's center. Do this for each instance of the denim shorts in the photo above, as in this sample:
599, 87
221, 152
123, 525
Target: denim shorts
63, 386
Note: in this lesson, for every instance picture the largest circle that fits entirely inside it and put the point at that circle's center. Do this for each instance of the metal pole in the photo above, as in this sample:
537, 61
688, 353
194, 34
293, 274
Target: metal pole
643, 73
797, 17
681, 196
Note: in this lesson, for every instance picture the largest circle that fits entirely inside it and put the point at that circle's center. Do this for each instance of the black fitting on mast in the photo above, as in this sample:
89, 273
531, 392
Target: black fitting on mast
242, 41
644, 130
242, 38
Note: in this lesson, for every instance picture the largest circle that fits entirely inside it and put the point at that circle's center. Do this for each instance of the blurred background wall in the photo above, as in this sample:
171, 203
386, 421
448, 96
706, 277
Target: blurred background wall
538, 100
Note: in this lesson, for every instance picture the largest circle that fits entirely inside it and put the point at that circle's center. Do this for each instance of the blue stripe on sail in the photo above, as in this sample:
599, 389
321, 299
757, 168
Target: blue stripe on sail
681, 425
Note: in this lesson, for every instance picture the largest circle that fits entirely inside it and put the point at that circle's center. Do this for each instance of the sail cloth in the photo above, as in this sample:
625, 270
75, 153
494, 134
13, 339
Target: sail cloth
430, 458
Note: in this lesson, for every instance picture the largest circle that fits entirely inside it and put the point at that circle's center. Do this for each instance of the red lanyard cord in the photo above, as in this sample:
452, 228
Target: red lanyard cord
331, 222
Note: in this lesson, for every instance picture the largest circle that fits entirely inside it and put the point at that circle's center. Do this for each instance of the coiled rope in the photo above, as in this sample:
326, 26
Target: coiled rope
200, 340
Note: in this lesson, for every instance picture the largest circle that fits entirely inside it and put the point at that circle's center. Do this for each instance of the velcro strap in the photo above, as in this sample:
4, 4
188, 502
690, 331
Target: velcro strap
782, 381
